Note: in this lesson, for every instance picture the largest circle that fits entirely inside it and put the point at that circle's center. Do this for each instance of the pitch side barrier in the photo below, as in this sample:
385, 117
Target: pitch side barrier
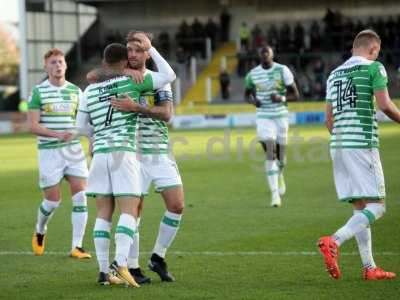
234, 119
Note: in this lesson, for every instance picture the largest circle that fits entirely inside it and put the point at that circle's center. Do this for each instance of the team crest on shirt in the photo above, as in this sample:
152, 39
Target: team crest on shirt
74, 97
382, 71
279, 84
147, 100
277, 76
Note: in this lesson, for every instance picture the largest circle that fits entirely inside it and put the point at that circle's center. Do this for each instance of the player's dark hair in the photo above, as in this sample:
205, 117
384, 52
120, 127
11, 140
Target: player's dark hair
115, 53
365, 38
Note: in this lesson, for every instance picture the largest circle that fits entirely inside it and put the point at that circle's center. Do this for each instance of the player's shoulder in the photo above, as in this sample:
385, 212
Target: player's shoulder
255, 71
378, 66
72, 87
44, 85
283, 68
280, 66
166, 88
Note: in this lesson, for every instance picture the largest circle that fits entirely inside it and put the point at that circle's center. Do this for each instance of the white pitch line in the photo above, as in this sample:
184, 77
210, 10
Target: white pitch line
213, 253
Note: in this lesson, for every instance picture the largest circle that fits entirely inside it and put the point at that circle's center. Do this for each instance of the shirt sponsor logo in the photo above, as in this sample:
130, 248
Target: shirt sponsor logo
59, 108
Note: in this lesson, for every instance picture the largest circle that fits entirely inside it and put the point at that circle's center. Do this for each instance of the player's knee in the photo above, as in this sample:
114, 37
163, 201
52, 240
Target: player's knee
54, 197
177, 207
374, 211
77, 186
359, 205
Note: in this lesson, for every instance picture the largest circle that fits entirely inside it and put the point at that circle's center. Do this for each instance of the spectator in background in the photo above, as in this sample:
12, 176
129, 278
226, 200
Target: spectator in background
197, 39
225, 81
285, 38
315, 36
244, 36
358, 27
211, 31
225, 22
242, 58
298, 38
182, 60
272, 36
257, 37
183, 35
165, 44
391, 31
318, 70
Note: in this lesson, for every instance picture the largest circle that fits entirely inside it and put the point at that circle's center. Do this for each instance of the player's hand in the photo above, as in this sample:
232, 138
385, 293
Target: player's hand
257, 103
65, 136
276, 98
91, 148
136, 75
143, 41
125, 103
91, 77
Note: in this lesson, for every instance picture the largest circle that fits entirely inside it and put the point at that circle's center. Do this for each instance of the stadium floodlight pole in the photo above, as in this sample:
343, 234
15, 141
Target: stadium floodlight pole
238, 45
209, 89
23, 66
223, 63
193, 70
178, 92
208, 49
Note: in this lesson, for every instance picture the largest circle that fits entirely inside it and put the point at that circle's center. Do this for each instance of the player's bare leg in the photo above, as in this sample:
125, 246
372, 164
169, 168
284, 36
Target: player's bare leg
174, 202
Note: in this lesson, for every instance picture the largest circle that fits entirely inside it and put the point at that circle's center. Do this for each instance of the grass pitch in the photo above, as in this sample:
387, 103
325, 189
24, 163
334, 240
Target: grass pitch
231, 245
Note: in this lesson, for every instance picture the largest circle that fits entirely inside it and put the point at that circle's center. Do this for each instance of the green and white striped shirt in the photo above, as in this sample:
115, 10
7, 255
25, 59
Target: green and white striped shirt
57, 106
267, 82
350, 91
153, 133
113, 130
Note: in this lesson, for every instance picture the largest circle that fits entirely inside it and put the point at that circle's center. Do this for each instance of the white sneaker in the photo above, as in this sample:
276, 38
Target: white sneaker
276, 200
281, 185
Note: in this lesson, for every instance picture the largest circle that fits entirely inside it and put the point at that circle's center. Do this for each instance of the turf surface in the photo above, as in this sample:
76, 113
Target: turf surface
231, 245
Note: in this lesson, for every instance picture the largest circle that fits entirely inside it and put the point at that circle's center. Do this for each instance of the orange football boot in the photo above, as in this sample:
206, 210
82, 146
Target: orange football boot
330, 251
377, 274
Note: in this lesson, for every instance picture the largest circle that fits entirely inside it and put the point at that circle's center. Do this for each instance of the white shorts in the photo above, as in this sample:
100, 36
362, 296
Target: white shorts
273, 129
161, 170
114, 174
56, 163
358, 174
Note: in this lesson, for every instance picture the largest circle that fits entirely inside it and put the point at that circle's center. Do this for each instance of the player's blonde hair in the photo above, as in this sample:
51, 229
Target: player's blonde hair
365, 39
53, 52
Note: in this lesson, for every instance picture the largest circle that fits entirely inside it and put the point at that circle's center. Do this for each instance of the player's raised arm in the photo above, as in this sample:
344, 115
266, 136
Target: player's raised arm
161, 112
165, 73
